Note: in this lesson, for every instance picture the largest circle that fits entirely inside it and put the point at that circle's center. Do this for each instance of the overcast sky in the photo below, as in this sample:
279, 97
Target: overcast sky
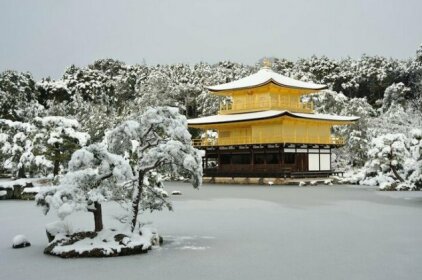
44, 37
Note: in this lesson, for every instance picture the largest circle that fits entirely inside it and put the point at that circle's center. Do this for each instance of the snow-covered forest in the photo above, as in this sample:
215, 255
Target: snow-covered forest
43, 122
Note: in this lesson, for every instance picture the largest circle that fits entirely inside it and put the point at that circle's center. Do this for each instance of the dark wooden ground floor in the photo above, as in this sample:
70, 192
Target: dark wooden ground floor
268, 161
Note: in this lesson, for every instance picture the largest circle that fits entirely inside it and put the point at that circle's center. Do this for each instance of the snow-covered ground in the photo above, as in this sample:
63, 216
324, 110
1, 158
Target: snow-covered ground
243, 232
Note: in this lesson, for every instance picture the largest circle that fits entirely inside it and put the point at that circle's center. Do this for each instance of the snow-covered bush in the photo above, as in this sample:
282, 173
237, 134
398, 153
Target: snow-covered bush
395, 161
387, 154
396, 94
414, 163
16, 147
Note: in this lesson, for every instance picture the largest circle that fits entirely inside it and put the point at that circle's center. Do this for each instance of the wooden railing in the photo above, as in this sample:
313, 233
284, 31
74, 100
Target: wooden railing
209, 142
230, 108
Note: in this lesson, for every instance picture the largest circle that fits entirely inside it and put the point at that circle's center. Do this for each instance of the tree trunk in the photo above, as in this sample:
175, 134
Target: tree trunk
135, 201
21, 172
393, 168
98, 217
56, 168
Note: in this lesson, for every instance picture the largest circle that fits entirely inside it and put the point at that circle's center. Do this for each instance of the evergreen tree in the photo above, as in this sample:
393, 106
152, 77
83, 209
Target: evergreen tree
57, 138
155, 141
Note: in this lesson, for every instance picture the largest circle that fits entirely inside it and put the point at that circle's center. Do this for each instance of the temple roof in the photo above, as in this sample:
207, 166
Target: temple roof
219, 119
265, 76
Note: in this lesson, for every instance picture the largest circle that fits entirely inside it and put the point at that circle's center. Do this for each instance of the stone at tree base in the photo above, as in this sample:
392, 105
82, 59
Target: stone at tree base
20, 241
16, 191
55, 228
28, 195
8, 195
157, 240
50, 237
336, 180
3, 194
97, 252
389, 186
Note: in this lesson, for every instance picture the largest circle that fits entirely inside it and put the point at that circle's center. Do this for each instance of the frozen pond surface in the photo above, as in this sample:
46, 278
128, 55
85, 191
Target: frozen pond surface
243, 232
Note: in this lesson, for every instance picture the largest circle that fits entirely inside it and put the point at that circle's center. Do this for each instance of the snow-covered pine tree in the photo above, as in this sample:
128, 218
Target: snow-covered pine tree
156, 141
95, 175
57, 138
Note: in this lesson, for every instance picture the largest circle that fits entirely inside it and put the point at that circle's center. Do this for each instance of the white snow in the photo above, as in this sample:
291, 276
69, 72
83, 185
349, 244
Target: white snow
194, 248
17, 125
58, 227
31, 190
264, 115
9, 183
325, 117
105, 241
242, 232
3, 193
264, 76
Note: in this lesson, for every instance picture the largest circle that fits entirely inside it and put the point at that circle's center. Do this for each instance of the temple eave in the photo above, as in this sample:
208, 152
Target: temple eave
213, 121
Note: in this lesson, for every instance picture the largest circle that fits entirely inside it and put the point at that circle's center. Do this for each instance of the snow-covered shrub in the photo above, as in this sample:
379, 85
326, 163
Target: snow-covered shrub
387, 154
395, 161
16, 147
396, 94
414, 163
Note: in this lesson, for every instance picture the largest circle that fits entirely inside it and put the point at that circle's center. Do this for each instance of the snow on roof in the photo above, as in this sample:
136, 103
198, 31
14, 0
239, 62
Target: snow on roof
234, 117
266, 115
326, 117
265, 76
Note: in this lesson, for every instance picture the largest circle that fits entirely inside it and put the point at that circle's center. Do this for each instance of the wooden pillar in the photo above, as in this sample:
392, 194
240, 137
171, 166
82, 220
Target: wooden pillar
218, 161
252, 159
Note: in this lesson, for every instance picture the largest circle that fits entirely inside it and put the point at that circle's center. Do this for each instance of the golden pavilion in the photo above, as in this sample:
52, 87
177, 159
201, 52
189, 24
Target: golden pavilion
267, 131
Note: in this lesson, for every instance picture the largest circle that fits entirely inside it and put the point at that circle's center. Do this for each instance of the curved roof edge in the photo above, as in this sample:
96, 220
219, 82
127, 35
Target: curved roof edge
221, 119
263, 77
